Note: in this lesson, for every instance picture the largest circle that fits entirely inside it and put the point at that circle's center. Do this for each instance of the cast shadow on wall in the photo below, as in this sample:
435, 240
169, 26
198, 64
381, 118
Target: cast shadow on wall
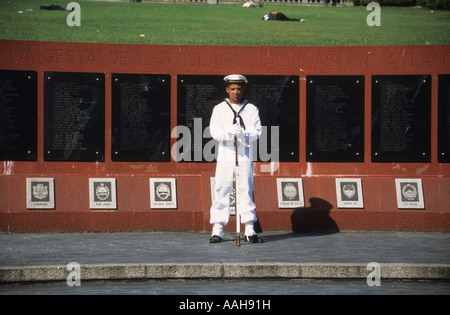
314, 220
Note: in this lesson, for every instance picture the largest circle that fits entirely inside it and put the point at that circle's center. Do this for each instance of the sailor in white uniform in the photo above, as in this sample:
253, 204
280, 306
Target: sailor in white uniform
234, 118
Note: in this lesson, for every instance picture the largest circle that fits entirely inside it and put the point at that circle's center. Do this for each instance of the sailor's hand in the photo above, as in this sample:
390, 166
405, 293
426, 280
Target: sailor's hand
243, 138
235, 130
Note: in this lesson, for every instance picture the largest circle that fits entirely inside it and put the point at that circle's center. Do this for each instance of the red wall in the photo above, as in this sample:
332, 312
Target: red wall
72, 212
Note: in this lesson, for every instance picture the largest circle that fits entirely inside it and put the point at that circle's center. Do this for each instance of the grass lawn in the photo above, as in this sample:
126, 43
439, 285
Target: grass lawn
226, 24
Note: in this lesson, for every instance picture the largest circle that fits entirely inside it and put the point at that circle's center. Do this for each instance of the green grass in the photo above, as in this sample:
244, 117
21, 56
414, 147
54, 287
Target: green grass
203, 24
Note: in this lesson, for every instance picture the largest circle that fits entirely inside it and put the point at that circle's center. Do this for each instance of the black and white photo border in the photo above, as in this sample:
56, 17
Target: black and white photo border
298, 202
157, 204
417, 202
48, 203
111, 203
357, 202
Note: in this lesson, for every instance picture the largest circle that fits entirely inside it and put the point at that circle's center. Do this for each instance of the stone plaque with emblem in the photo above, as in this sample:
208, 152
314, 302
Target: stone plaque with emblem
18, 115
275, 96
401, 118
444, 118
290, 193
74, 116
102, 193
349, 193
140, 117
409, 193
163, 193
335, 118
40, 193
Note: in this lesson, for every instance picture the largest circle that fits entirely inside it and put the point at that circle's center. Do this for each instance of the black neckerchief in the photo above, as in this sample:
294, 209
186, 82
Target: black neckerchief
236, 114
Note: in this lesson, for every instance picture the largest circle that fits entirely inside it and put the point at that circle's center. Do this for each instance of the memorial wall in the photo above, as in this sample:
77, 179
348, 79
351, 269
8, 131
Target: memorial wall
107, 137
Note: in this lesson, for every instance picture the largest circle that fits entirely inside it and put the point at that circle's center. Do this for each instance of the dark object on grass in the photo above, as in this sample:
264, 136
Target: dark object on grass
53, 7
278, 16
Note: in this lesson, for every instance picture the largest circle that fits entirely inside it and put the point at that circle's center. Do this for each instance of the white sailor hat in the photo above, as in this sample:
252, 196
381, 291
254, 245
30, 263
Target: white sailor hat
235, 79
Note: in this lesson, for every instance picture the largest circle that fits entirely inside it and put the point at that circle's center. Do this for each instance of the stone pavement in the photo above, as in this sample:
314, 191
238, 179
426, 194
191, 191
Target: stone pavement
188, 255
273, 289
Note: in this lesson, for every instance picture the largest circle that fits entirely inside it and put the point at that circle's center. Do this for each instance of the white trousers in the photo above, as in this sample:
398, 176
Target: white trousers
220, 209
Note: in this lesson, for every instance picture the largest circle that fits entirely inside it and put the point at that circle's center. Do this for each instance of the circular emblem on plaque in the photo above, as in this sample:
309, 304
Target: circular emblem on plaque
40, 191
102, 192
290, 191
163, 191
409, 192
349, 190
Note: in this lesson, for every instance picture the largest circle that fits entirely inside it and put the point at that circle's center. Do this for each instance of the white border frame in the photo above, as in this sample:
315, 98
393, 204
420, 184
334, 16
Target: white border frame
290, 204
102, 205
402, 204
352, 204
49, 205
163, 204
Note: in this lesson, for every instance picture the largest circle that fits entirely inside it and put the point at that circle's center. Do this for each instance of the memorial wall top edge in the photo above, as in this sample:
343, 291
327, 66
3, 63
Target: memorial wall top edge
137, 58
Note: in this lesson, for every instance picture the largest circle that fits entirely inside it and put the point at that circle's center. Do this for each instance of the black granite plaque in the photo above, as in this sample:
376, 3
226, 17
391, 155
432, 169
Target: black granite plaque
444, 118
18, 115
276, 96
140, 117
401, 118
74, 116
335, 118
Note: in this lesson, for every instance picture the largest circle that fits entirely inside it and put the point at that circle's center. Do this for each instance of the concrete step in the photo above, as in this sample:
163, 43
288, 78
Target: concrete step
229, 270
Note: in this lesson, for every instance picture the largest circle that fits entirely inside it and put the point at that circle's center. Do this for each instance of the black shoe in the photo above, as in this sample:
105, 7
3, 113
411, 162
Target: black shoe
215, 239
253, 239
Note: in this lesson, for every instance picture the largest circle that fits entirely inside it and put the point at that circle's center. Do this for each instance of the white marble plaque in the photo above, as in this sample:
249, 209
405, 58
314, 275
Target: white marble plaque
409, 193
40, 193
349, 193
163, 193
290, 193
102, 193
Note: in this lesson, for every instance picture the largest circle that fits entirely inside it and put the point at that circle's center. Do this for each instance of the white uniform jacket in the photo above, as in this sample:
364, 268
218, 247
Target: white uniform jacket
222, 118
